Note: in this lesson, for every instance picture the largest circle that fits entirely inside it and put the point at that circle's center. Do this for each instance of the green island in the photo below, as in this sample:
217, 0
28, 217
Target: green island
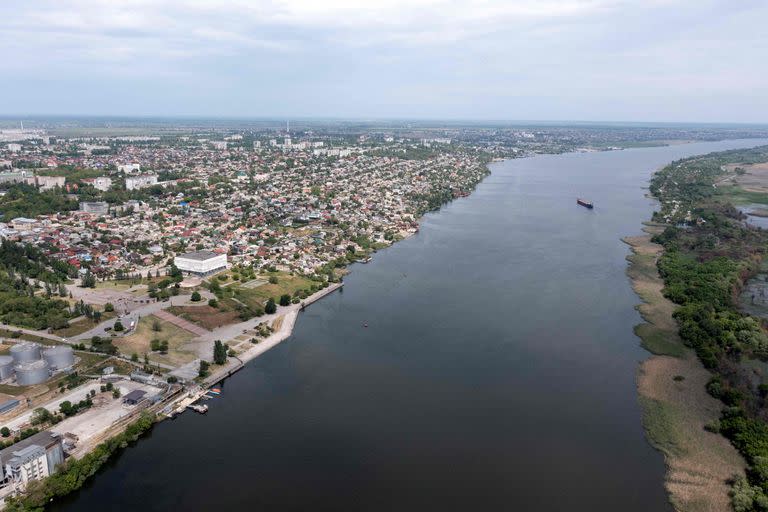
703, 393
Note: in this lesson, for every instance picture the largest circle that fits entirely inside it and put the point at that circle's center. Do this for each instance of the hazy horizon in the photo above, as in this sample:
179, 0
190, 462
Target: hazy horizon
547, 61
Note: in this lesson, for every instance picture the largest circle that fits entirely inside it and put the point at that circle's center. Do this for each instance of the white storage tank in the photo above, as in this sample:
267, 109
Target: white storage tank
31, 373
25, 352
6, 367
59, 357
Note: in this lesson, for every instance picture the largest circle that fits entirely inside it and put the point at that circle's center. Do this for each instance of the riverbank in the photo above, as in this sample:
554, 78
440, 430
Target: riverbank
671, 386
287, 320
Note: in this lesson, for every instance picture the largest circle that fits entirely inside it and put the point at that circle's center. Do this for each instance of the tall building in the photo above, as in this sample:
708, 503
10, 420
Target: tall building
33, 458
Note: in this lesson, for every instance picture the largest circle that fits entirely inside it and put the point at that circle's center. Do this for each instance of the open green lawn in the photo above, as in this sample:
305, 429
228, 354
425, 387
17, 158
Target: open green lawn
83, 325
286, 284
139, 341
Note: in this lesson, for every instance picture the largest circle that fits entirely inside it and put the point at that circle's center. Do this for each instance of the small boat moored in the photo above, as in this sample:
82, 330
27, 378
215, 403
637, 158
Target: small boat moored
585, 203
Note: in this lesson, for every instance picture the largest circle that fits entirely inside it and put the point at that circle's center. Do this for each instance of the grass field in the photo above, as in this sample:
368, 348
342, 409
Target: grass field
286, 284
739, 196
14, 335
139, 342
83, 325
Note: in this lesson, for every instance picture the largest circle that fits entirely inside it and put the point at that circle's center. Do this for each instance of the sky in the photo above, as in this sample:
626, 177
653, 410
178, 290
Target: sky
590, 60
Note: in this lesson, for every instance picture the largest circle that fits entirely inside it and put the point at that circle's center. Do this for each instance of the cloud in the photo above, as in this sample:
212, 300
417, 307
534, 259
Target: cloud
507, 58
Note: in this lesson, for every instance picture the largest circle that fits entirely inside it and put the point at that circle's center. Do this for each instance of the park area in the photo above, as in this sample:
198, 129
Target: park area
153, 328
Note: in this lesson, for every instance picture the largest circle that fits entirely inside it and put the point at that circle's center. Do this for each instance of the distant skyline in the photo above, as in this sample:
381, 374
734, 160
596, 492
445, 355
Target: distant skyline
545, 60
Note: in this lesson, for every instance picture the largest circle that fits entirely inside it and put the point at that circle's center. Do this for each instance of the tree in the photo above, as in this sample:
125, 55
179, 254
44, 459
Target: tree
213, 303
119, 326
285, 299
5, 432
271, 307
156, 325
67, 409
88, 280
203, 371
273, 280
219, 352
135, 357
109, 307
41, 415
196, 296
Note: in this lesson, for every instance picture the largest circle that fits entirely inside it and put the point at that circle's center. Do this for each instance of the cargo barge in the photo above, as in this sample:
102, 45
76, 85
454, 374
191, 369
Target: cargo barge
585, 203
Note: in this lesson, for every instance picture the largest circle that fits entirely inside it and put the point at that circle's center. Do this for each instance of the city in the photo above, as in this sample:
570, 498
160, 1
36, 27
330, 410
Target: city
474, 255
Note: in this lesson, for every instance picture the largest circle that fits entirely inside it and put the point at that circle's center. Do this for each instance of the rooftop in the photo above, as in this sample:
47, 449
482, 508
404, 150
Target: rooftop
44, 439
199, 255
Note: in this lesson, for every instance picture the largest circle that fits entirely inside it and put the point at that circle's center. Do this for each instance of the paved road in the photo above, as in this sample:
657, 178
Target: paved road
42, 334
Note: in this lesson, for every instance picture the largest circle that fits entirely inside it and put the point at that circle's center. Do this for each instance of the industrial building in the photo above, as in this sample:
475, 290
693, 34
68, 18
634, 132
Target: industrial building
31, 365
201, 263
59, 357
33, 458
6, 367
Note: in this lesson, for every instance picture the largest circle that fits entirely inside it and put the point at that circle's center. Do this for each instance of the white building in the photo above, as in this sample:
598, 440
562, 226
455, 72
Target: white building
32, 459
219, 144
102, 183
129, 168
201, 262
47, 182
143, 181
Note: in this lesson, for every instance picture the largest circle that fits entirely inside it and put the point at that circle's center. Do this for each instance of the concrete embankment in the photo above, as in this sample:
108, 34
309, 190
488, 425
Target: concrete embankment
289, 315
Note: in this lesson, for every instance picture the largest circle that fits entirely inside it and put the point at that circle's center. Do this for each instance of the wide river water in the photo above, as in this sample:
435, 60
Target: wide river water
497, 371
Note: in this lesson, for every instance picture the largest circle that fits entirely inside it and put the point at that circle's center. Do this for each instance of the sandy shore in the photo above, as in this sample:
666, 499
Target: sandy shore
676, 407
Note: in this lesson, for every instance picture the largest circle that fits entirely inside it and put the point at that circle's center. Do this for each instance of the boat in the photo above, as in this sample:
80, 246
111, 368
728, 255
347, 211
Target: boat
585, 203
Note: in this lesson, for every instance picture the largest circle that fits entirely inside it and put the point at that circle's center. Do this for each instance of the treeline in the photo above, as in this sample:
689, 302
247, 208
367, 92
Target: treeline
709, 253
24, 270
22, 200
74, 473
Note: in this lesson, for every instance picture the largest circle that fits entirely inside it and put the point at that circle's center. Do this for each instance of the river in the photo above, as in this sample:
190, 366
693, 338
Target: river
496, 371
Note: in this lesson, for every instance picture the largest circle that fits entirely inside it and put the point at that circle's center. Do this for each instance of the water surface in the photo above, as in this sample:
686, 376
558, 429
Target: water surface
497, 371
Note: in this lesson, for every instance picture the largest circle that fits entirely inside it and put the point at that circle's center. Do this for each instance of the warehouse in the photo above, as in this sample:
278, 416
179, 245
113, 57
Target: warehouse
201, 262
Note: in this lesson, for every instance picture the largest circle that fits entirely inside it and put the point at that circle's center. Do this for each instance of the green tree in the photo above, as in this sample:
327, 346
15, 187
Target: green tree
271, 307
219, 352
196, 297
203, 371
118, 326
285, 300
